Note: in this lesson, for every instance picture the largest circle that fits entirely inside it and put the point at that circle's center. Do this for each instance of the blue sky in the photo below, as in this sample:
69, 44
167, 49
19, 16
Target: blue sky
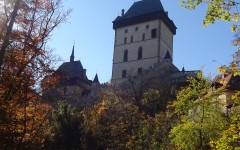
90, 26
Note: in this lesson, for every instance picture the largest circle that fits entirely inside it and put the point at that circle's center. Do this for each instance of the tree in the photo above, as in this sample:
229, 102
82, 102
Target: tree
25, 27
24, 123
150, 92
66, 128
116, 123
9, 21
230, 138
226, 11
200, 114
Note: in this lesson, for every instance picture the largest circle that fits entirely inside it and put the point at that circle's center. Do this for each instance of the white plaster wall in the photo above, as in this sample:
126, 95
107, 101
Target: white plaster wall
120, 32
166, 40
152, 48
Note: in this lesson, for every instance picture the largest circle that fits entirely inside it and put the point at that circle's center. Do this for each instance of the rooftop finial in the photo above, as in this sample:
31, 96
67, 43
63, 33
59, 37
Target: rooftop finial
72, 55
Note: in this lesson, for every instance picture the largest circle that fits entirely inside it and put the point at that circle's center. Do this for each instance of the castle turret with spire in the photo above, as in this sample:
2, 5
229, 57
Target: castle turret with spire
73, 83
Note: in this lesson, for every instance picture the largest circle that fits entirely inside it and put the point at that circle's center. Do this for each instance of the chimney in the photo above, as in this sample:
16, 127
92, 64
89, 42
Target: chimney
122, 12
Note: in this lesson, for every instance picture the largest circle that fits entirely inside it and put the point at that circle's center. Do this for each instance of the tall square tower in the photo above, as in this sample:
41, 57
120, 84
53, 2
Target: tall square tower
143, 38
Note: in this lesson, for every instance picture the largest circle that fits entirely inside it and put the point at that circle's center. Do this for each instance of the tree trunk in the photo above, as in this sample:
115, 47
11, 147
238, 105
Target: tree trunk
5, 43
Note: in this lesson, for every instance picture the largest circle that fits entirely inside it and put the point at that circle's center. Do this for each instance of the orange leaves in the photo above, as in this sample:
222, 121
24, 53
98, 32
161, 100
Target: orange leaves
26, 61
26, 119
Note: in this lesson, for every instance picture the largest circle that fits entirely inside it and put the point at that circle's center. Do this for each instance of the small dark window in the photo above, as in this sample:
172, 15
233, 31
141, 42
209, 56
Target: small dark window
126, 31
136, 29
154, 33
139, 71
65, 90
124, 73
125, 40
131, 39
143, 36
140, 53
125, 57
147, 26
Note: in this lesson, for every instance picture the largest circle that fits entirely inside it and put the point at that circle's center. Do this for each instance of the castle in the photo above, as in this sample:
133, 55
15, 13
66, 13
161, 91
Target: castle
143, 45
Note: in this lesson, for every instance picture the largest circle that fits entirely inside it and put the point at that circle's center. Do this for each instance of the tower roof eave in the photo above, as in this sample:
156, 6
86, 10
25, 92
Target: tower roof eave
143, 7
122, 22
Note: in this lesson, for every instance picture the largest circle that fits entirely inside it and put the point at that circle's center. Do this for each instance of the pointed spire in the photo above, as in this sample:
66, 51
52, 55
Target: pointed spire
72, 55
167, 56
183, 69
96, 79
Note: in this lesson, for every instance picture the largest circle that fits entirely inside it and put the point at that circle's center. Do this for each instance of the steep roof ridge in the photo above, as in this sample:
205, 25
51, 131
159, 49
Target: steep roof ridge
143, 7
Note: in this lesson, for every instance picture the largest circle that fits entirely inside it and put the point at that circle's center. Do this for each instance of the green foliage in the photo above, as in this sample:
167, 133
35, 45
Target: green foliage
230, 138
66, 128
187, 96
152, 102
201, 119
217, 10
163, 123
226, 11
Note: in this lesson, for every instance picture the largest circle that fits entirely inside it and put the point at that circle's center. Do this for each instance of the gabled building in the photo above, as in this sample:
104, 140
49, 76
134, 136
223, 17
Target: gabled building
230, 85
72, 84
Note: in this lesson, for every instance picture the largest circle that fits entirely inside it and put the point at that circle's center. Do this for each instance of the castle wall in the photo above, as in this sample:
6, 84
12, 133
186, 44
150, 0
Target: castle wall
166, 40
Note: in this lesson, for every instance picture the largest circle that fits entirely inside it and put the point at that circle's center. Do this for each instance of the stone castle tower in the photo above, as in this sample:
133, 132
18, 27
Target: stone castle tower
143, 38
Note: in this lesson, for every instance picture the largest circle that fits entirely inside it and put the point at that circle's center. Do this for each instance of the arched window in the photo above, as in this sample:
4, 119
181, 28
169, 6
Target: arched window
125, 57
124, 73
140, 53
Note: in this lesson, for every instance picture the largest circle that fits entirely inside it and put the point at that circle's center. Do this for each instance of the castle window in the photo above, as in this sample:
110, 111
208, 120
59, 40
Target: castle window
125, 57
125, 40
140, 71
126, 31
65, 90
131, 39
143, 36
136, 29
147, 26
140, 53
124, 74
154, 33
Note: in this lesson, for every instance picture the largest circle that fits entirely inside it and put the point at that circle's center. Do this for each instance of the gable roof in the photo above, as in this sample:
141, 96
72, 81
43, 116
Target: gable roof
228, 81
143, 7
143, 11
72, 69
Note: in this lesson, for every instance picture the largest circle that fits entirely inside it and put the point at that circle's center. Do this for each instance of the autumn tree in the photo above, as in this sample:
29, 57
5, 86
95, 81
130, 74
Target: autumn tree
25, 59
66, 128
226, 11
116, 123
150, 92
